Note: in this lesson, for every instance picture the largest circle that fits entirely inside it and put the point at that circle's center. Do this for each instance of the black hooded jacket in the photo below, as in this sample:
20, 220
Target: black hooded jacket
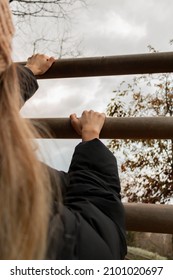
89, 223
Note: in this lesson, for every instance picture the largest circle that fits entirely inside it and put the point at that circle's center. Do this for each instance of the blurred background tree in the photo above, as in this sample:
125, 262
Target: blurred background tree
146, 168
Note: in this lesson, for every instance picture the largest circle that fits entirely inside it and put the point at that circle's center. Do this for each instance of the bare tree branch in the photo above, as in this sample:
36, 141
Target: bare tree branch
43, 8
49, 25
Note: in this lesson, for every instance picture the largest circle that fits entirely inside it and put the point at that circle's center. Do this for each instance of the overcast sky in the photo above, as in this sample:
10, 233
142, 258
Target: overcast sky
111, 27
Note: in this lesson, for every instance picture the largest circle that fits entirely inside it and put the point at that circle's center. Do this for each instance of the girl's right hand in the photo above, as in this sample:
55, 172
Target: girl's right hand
89, 125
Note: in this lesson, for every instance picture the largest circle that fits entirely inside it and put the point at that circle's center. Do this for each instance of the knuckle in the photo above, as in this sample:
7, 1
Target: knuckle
84, 112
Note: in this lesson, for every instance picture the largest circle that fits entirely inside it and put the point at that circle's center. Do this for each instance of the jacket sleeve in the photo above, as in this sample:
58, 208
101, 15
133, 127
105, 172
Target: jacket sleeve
94, 190
27, 82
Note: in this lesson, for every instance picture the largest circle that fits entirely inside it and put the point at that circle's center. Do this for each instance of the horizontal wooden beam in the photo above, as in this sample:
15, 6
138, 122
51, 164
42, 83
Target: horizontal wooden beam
149, 217
115, 128
110, 65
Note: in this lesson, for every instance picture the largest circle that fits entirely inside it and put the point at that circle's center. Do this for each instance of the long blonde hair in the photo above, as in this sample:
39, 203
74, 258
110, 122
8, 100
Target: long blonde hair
24, 182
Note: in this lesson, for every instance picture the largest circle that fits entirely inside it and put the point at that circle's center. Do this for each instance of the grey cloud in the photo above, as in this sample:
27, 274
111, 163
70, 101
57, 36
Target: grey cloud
153, 16
57, 153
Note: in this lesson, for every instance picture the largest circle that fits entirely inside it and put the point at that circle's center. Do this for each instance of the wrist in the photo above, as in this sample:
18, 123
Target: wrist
88, 135
34, 69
